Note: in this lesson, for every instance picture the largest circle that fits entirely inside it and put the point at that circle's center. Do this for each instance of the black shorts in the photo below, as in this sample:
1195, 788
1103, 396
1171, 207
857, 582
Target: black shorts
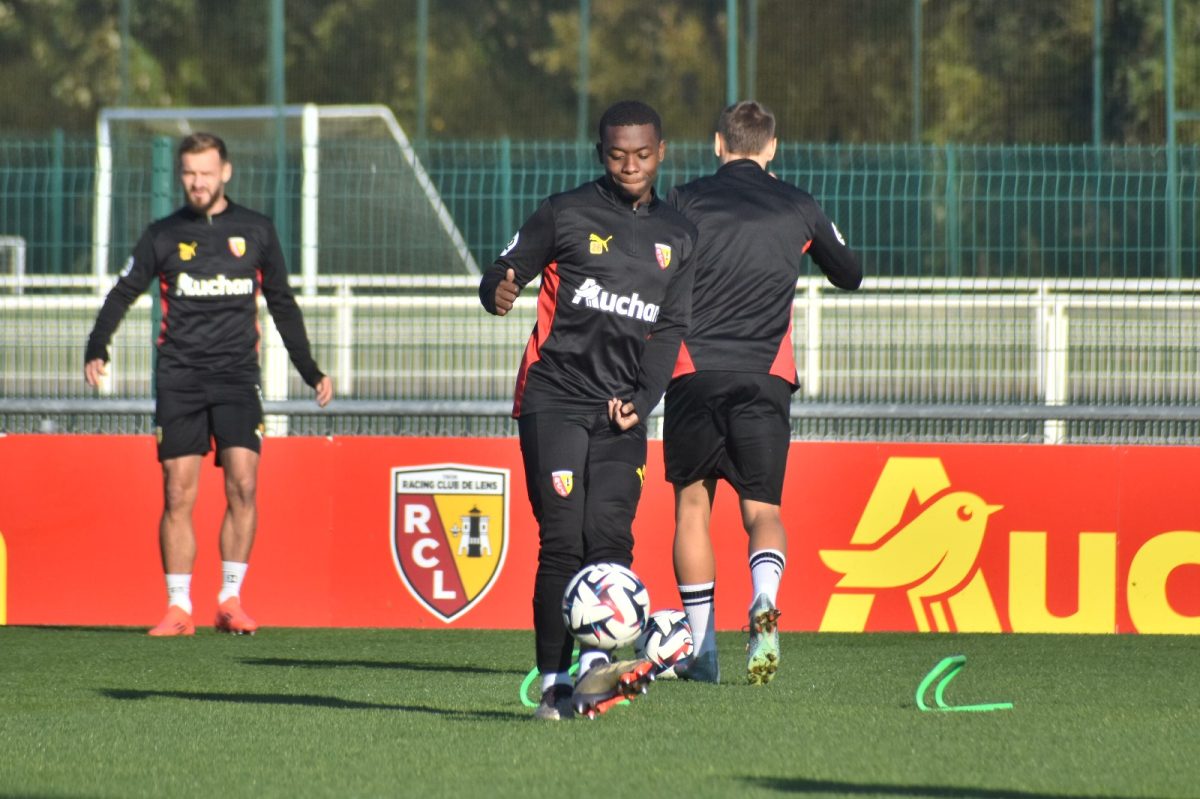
729, 425
188, 420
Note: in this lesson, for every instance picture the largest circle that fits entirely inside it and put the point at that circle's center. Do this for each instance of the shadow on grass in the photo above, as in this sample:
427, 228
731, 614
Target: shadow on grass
800, 785
79, 628
397, 665
304, 700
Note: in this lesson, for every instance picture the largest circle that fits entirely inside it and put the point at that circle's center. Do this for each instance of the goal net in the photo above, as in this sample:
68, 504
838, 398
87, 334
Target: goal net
343, 184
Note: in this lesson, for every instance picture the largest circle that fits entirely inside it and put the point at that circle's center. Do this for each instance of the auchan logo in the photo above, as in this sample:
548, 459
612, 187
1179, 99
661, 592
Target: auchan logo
219, 286
932, 555
593, 295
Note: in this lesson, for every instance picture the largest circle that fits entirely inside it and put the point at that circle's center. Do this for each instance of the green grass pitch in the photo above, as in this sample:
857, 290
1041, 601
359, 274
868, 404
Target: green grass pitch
109, 712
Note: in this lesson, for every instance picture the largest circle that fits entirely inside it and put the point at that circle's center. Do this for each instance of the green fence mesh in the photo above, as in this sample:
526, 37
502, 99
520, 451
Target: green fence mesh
998, 277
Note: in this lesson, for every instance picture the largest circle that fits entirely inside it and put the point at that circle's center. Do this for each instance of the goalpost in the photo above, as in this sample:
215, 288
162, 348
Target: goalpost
376, 186
363, 206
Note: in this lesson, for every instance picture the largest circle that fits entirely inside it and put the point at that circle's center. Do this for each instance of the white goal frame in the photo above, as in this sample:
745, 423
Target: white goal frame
16, 246
310, 115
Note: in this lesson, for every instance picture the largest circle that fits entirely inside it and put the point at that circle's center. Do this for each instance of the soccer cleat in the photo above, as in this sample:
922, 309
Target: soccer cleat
177, 622
608, 684
762, 651
701, 668
232, 619
556, 704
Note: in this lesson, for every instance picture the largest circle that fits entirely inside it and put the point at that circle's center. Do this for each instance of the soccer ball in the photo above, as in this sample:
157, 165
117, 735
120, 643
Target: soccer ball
666, 642
605, 606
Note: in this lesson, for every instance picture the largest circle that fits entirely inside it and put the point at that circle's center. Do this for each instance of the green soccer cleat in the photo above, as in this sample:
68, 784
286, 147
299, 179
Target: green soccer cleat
608, 684
762, 651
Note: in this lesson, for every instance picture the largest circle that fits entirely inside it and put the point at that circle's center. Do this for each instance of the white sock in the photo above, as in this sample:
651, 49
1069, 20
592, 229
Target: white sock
589, 658
766, 569
698, 605
555, 678
232, 574
179, 591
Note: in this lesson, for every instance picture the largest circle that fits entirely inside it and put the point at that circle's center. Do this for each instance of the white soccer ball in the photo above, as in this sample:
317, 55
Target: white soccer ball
667, 641
605, 606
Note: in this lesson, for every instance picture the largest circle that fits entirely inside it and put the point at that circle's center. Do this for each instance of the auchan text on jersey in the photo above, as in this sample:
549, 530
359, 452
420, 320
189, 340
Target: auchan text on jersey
596, 297
219, 286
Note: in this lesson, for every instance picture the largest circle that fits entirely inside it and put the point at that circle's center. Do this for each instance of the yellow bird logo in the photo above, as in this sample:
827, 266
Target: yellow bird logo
931, 557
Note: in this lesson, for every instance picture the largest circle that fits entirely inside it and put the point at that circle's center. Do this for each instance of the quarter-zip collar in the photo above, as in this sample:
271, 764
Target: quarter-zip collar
191, 213
608, 193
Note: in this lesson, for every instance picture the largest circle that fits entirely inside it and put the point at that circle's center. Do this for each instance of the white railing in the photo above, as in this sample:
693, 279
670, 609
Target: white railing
1046, 307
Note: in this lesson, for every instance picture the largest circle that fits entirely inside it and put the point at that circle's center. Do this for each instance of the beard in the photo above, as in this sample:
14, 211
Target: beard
217, 195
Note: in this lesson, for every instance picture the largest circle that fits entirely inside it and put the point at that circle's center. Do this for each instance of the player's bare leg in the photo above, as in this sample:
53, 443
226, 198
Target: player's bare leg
177, 538
693, 551
767, 555
241, 509
237, 536
177, 542
696, 574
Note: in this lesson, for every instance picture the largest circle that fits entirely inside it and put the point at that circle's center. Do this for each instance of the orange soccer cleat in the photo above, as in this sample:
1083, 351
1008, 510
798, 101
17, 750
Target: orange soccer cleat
609, 684
177, 622
232, 619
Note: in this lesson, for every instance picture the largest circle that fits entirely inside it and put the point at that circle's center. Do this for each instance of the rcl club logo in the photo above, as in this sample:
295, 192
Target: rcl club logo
449, 533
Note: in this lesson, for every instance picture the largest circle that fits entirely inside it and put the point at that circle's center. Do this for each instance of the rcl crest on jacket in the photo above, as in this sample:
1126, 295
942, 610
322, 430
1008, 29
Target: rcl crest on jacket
662, 253
449, 533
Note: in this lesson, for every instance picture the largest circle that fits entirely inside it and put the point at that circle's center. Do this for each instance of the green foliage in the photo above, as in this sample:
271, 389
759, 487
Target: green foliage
1013, 72
1019, 73
109, 712
58, 62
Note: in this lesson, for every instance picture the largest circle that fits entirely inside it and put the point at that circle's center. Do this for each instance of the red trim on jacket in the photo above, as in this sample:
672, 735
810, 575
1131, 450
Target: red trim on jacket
683, 363
784, 364
547, 304
164, 305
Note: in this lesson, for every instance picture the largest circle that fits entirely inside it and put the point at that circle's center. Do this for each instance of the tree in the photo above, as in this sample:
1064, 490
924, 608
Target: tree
1017, 71
57, 60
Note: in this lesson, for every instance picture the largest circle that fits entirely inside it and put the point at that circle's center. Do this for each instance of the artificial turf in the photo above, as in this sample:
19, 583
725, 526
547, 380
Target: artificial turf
110, 712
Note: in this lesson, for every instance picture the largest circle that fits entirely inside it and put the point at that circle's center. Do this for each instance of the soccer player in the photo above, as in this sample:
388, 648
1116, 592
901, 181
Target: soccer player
727, 408
614, 302
211, 258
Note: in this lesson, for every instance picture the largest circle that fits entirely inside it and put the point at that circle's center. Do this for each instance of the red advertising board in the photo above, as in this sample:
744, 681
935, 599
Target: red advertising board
404, 532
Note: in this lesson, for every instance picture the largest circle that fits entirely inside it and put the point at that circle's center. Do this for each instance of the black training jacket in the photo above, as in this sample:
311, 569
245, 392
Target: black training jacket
210, 270
614, 301
754, 229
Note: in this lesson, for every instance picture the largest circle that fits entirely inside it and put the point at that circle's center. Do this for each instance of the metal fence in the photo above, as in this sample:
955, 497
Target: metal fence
912, 211
1013, 293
